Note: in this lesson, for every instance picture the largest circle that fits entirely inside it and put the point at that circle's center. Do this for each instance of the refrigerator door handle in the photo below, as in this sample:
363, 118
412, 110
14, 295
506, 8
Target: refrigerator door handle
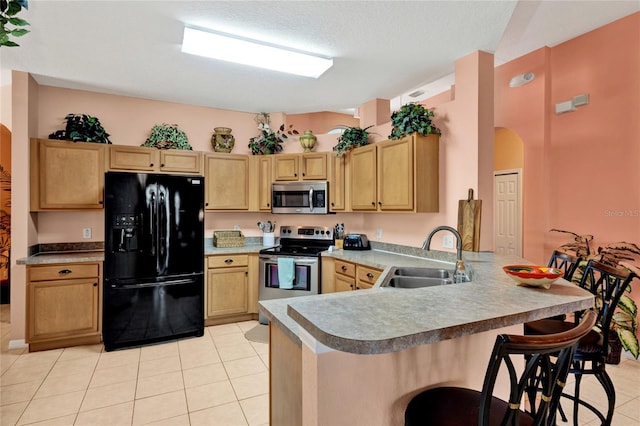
152, 222
163, 252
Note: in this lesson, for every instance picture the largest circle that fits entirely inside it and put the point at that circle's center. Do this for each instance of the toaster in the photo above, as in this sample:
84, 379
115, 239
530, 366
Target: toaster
356, 242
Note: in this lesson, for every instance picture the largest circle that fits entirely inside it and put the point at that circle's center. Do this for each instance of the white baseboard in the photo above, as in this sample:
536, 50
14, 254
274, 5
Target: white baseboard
17, 344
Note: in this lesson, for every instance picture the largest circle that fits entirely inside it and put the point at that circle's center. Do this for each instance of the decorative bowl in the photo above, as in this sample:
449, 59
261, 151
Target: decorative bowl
534, 276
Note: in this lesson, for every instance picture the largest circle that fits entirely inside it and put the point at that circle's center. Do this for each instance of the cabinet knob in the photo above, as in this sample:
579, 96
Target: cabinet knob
351, 286
379, 203
151, 165
369, 275
162, 165
228, 261
95, 284
100, 202
268, 205
344, 268
332, 204
373, 203
64, 271
304, 174
206, 204
295, 174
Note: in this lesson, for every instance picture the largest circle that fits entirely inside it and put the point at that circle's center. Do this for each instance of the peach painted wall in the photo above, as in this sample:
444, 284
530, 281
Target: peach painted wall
23, 224
5, 105
581, 169
508, 150
605, 200
320, 122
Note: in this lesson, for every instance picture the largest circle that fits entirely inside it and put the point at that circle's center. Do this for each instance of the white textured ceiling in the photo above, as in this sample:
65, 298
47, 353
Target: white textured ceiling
381, 49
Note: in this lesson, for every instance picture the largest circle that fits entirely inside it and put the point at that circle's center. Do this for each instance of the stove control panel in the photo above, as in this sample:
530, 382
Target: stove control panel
307, 232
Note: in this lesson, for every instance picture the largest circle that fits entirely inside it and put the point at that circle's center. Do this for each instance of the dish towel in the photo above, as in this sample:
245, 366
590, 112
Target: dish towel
286, 272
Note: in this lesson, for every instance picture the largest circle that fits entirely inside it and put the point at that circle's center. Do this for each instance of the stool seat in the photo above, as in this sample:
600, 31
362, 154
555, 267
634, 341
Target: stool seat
441, 406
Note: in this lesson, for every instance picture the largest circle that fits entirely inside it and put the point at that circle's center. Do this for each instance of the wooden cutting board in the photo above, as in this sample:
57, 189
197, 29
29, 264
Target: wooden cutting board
469, 214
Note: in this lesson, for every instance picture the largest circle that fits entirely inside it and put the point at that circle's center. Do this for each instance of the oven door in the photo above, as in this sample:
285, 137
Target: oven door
305, 282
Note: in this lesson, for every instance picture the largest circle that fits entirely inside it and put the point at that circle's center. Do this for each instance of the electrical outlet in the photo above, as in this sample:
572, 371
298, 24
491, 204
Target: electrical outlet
86, 232
447, 241
236, 227
379, 233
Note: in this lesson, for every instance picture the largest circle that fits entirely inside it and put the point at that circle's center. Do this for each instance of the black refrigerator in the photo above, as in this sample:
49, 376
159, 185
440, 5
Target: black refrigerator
154, 258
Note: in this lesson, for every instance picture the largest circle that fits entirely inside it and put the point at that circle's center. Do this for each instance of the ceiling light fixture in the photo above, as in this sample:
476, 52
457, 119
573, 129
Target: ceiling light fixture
254, 53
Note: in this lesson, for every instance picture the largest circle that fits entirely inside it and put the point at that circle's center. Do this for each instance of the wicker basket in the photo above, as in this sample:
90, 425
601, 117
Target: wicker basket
228, 239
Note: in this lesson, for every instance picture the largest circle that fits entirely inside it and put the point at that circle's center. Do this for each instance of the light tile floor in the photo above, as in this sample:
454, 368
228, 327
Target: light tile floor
218, 379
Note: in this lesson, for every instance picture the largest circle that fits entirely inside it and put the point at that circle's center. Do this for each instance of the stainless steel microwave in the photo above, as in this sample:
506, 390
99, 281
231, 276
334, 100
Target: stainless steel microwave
300, 197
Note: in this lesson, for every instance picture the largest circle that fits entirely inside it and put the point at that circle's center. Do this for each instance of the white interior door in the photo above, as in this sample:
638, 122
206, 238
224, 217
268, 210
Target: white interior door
508, 212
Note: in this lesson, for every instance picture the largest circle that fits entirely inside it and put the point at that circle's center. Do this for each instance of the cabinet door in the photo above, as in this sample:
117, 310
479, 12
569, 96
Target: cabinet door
344, 283
337, 182
395, 174
314, 166
362, 167
62, 308
227, 291
134, 158
68, 175
264, 182
226, 182
366, 277
286, 167
180, 161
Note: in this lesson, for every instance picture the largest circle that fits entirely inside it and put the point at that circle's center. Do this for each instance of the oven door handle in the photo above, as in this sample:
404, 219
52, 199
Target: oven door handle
296, 260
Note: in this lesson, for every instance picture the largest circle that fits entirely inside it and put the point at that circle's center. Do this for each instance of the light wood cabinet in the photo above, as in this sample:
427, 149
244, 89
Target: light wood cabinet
396, 175
230, 296
260, 182
298, 167
352, 276
66, 175
63, 305
226, 182
366, 276
337, 182
144, 159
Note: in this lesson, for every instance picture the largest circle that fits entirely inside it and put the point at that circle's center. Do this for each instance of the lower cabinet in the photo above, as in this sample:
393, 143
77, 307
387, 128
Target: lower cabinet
63, 305
351, 276
231, 295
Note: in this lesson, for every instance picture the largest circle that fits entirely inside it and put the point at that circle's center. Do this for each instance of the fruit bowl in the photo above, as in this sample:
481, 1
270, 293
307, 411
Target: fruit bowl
533, 276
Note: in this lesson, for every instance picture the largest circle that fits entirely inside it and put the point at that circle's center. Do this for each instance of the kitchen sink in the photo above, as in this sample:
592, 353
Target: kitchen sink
416, 282
423, 272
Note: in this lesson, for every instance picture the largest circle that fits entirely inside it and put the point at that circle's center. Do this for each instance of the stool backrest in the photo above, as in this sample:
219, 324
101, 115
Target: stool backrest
548, 358
608, 285
567, 263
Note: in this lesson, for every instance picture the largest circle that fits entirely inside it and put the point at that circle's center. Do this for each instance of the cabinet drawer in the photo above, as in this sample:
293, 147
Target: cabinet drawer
345, 268
228, 261
63, 272
368, 275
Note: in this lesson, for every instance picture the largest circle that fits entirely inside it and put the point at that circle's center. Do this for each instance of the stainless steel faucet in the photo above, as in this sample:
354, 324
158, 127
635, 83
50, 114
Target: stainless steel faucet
460, 273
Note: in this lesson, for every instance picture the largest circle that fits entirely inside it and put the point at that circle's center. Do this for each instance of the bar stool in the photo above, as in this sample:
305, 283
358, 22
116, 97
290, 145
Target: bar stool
547, 357
607, 284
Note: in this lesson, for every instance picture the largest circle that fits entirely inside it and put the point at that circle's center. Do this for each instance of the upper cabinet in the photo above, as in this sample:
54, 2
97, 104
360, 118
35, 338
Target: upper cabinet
226, 182
337, 182
396, 175
260, 182
144, 159
295, 167
66, 175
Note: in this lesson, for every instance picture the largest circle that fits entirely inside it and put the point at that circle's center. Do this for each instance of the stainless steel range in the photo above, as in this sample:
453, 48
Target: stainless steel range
293, 268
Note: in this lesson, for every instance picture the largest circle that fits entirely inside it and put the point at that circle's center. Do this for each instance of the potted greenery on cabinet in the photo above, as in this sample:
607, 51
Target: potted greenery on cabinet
351, 137
167, 136
412, 118
82, 128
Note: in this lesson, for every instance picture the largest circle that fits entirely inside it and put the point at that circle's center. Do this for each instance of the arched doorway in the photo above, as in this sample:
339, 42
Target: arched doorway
508, 167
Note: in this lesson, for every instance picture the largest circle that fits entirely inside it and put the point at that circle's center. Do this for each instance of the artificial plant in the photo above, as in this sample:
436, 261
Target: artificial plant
351, 137
167, 136
10, 24
82, 128
410, 118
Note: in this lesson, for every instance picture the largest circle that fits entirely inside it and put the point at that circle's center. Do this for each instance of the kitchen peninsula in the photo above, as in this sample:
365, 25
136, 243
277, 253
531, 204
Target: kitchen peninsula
357, 358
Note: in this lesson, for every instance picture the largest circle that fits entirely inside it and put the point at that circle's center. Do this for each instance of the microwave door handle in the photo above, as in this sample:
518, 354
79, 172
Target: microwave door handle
311, 199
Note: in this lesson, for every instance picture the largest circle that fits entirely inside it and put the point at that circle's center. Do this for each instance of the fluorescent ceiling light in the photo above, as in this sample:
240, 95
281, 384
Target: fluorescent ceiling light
248, 52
